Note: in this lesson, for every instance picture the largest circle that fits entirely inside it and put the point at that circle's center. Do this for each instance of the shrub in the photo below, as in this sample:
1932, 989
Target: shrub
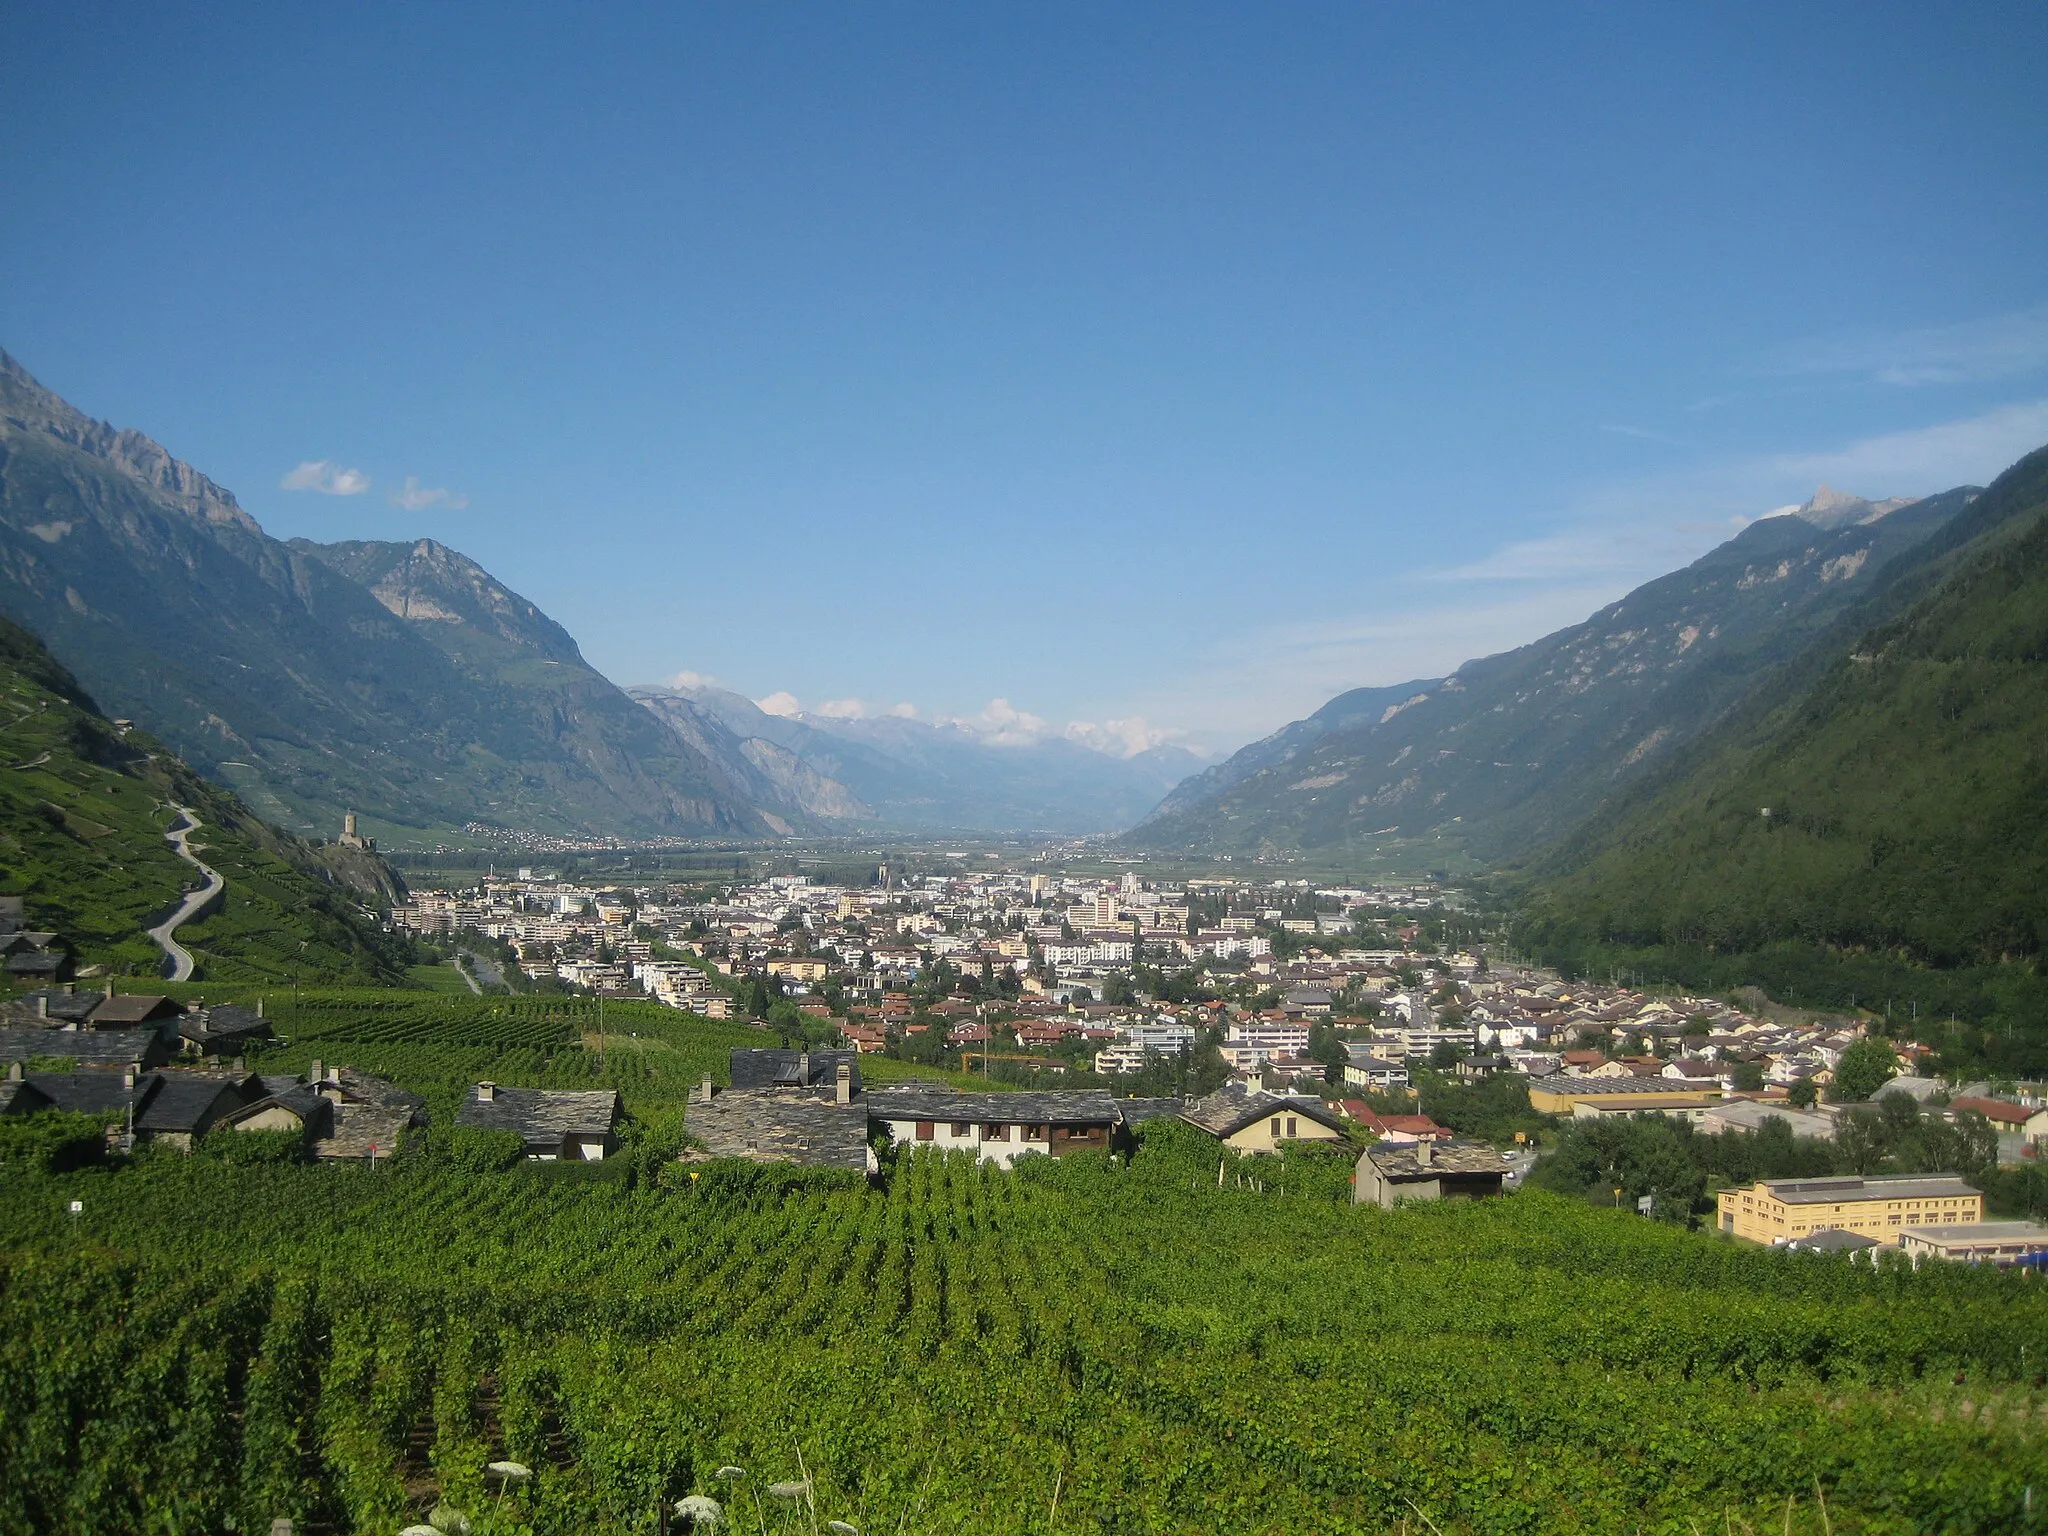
246, 1148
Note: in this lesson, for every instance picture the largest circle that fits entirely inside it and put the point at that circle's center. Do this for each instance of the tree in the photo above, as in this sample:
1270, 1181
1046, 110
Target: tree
1864, 1068
1801, 1094
1749, 1077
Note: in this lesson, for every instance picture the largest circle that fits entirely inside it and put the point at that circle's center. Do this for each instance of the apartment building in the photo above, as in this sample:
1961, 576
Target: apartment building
1778, 1210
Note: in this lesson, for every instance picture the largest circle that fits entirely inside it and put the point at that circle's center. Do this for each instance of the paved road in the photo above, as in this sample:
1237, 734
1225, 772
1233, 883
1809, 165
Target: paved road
486, 969
177, 837
463, 971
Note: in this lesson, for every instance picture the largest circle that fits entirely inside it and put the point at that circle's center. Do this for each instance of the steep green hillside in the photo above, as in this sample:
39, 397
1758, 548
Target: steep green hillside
267, 667
83, 809
1888, 794
1512, 751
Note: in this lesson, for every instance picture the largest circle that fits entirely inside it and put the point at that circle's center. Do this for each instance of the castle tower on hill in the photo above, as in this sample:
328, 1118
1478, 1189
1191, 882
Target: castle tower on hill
350, 838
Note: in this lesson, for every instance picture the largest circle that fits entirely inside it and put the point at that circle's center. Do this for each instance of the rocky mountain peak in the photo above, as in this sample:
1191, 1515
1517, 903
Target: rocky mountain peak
29, 406
1831, 509
425, 582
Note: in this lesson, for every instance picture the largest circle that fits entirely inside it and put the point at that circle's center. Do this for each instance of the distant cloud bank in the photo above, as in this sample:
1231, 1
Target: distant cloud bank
998, 723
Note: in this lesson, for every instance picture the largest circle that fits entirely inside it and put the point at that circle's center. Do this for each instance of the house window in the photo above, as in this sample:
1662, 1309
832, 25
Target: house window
926, 1129
1276, 1127
963, 1128
1292, 1126
1034, 1133
995, 1133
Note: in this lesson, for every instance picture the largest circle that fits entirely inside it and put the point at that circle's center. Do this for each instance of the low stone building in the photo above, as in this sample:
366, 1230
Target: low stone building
998, 1127
557, 1124
785, 1106
1389, 1173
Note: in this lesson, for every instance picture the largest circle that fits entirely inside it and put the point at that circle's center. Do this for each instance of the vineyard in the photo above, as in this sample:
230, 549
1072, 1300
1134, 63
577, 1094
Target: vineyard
1077, 1347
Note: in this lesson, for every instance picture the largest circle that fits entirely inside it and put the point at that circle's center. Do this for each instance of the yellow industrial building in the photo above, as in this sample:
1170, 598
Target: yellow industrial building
1779, 1210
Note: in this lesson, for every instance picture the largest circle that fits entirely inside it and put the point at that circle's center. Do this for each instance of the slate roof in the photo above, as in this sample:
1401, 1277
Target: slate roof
108, 1048
782, 1126
86, 1093
224, 1021
358, 1127
186, 1102
57, 1004
128, 1012
1400, 1162
1079, 1106
1223, 1113
1832, 1240
21, 1098
361, 1088
755, 1069
543, 1116
1138, 1111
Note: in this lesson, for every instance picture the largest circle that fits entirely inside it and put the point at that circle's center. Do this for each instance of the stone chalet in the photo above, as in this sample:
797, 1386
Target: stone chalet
172, 1107
785, 1107
998, 1127
1389, 1173
343, 1115
557, 1124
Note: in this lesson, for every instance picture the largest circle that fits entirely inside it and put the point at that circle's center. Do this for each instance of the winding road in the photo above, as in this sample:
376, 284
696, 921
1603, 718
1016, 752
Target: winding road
195, 901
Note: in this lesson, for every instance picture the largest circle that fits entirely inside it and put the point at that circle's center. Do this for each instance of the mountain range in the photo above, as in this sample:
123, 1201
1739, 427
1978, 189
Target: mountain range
926, 775
1511, 752
1885, 792
403, 681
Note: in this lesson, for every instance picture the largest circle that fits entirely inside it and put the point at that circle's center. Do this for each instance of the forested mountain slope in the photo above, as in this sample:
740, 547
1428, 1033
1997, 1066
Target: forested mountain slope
1513, 751
83, 811
275, 669
1887, 793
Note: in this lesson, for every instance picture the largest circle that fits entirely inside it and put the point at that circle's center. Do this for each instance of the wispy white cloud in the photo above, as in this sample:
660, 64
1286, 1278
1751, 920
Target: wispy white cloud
414, 497
903, 711
689, 679
1917, 461
780, 703
326, 477
1994, 347
843, 709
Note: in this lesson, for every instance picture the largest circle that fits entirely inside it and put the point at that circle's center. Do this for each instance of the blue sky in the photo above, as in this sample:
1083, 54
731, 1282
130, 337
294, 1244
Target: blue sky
1175, 366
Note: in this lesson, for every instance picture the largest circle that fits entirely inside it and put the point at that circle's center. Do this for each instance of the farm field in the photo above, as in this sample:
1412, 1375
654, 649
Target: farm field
1078, 1347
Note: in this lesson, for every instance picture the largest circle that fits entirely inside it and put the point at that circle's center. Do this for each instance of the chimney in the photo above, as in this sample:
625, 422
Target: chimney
803, 1069
842, 1084
703, 1093
14, 1071
259, 1007
42, 1005
313, 1074
486, 1093
1425, 1151
128, 1079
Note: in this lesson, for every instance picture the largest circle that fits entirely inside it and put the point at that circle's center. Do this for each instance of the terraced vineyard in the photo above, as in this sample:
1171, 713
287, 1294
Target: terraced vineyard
1070, 1348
